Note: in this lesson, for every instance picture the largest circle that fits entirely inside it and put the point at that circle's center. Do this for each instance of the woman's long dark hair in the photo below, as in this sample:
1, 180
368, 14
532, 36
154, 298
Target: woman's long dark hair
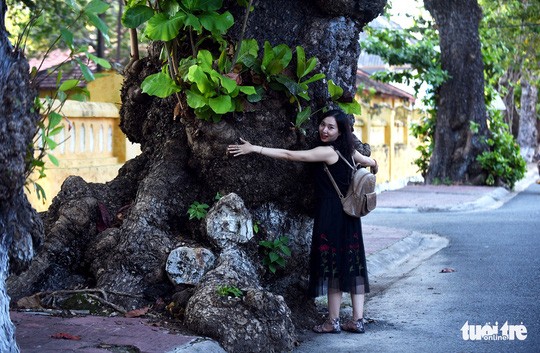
344, 143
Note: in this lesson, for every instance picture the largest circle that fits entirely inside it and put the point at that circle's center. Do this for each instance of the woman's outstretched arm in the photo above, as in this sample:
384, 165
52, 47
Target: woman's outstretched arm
317, 154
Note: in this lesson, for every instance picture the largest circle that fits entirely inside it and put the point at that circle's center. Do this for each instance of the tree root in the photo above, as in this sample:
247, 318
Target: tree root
97, 294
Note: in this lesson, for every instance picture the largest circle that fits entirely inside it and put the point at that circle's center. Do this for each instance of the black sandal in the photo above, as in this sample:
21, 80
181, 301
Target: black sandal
354, 326
329, 326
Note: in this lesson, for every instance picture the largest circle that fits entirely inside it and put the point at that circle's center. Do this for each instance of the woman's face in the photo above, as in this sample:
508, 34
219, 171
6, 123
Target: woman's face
328, 129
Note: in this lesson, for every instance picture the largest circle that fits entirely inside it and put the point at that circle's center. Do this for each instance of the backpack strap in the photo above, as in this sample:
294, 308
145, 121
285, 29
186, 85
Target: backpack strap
346, 161
333, 181
330, 174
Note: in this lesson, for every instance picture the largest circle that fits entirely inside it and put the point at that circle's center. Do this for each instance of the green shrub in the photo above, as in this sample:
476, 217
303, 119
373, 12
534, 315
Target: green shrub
503, 162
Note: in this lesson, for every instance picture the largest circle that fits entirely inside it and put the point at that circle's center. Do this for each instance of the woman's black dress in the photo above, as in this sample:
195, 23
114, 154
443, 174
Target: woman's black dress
337, 259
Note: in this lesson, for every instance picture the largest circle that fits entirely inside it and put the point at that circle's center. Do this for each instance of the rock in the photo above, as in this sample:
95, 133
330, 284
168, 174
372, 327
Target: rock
258, 321
187, 265
228, 222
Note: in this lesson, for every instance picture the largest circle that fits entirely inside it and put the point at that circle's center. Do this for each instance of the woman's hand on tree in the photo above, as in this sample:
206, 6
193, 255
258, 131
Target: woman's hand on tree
244, 148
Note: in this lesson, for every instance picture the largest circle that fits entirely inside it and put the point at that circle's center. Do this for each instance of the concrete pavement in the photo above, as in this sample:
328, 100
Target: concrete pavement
385, 247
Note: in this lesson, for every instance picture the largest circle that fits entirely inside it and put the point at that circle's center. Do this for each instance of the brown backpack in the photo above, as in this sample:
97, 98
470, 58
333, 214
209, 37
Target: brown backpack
361, 197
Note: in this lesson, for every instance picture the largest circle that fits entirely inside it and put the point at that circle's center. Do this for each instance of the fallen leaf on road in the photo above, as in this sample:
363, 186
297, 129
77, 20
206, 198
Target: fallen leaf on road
447, 270
65, 336
137, 312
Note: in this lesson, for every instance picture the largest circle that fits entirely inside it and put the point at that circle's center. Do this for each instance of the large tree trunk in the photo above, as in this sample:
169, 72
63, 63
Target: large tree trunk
184, 160
528, 135
21, 229
461, 98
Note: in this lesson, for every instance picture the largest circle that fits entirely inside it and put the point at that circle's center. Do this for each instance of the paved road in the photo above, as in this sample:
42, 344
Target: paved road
495, 255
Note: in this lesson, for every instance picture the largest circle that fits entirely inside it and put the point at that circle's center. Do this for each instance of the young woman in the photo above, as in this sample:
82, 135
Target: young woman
337, 259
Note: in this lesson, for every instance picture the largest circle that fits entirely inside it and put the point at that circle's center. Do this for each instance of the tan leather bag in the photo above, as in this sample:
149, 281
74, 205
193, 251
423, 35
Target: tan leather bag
361, 197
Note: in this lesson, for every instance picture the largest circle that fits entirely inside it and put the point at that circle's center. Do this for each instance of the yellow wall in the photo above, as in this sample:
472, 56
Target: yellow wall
106, 88
387, 130
91, 144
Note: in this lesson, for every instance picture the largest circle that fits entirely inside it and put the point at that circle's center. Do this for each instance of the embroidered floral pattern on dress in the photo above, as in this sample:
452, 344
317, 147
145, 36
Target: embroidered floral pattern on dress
328, 254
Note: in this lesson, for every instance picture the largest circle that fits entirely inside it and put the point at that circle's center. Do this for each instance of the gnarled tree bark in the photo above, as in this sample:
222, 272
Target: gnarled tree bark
184, 160
21, 230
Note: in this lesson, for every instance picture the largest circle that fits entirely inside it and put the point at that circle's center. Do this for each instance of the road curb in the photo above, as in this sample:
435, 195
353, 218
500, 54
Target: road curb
405, 253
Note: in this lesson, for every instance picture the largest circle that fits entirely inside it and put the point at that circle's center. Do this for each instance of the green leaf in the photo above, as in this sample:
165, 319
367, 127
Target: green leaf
254, 98
285, 250
249, 49
351, 108
203, 5
87, 74
56, 130
61, 95
193, 21
50, 142
68, 84
300, 62
135, 16
184, 65
100, 25
268, 54
272, 268
283, 53
292, 86
99, 61
204, 59
335, 91
40, 192
266, 243
314, 78
80, 94
224, 64
221, 104
273, 256
227, 83
280, 261
67, 37
96, 7
54, 119
58, 78
53, 159
161, 27
248, 90
199, 77
196, 100
159, 85
217, 23
302, 116
311, 63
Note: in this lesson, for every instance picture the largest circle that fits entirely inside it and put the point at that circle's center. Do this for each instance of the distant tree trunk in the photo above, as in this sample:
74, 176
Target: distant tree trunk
461, 98
511, 116
20, 227
528, 135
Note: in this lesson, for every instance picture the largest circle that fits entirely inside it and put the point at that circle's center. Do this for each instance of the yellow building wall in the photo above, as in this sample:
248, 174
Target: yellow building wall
387, 130
91, 144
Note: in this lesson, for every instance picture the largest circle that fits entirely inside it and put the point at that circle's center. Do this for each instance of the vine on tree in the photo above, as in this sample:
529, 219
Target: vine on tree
217, 77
